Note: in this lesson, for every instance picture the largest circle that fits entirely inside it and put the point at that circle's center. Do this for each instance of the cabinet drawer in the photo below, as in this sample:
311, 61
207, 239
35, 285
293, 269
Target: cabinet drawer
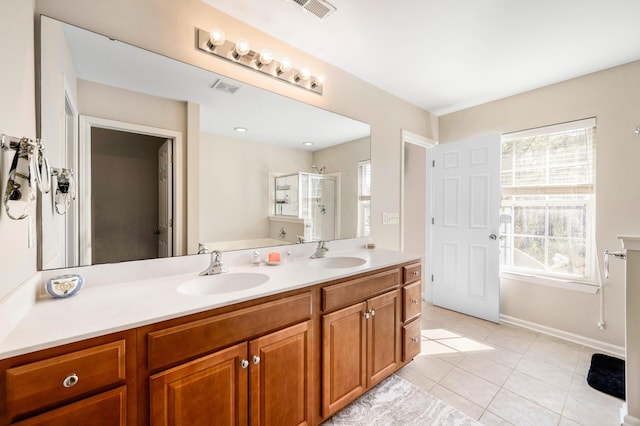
412, 272
412, 301
338, 295
45, 383
411, 338
187, 341
107, 408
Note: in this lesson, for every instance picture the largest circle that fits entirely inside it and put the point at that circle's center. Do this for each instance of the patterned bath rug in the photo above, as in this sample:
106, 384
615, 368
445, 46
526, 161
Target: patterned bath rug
395, 401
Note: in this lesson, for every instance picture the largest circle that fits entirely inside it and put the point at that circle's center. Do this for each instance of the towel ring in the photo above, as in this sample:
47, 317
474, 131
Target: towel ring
38, 163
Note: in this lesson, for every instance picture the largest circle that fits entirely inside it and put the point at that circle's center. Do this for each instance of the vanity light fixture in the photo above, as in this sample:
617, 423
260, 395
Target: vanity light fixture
215, 43
240, 129
637, 130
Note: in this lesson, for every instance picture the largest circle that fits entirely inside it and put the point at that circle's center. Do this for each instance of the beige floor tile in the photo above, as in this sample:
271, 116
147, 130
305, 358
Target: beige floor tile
465, 344
474, 388
438, 333
520, 411
511, 340
431, 367
415, 377
432, 347
475, 328
490, 419
483, 367
461, 403
544, 371
502, 356
588, 406
536, 390
568, 422
554, 351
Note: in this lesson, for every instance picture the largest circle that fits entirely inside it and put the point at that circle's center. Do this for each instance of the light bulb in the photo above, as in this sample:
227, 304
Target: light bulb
264, 58
318, 81
303, 74
216, 38
241, 49
285, 65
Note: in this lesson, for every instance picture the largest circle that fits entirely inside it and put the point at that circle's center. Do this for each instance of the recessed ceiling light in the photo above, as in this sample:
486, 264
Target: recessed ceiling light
240, 129
307, 143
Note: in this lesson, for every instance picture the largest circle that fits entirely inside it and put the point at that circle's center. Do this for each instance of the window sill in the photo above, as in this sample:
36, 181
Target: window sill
580, 286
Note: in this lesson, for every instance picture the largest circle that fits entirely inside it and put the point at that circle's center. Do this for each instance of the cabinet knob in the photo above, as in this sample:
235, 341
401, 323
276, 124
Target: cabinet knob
372, 312
416, 273
244, 363
414, 301
414, 339
256, 359
70, 380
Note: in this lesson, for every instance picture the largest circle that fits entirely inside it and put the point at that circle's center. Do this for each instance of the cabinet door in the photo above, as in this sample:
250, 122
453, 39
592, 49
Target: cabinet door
383, 336
279, 377
343, 357
105, 409
211, 390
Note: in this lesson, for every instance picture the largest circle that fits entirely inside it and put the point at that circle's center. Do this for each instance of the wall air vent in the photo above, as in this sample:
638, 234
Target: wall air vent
225, 87
319, 8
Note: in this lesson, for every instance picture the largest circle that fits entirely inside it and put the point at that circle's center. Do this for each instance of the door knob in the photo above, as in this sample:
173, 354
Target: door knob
493, 237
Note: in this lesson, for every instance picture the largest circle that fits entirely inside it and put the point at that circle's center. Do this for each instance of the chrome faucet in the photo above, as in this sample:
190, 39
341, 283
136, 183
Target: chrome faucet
215, 267
321, 250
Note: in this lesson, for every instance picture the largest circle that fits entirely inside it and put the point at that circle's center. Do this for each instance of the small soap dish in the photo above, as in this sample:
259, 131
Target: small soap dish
272, 263
64, 285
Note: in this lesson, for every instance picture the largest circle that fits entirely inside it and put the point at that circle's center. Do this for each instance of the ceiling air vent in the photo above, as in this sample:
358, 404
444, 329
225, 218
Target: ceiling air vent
319, 8
225, 87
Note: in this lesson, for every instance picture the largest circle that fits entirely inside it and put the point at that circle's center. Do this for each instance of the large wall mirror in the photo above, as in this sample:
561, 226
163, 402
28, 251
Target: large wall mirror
152, 160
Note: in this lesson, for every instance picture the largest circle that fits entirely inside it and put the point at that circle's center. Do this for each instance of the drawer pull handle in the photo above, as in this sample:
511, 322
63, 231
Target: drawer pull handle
244, 363
70, 380
414, 339
416, 273
256, 359
414, 301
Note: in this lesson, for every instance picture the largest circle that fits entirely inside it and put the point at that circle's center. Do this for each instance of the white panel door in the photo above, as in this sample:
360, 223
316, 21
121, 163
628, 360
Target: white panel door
165, 200
466, 197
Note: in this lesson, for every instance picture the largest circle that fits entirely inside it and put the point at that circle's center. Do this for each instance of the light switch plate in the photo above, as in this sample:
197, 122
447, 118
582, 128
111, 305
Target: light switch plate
393, 218
385, 218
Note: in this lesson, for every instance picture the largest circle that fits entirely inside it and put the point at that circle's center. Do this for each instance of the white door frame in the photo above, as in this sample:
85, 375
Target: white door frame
84, 178
427, 143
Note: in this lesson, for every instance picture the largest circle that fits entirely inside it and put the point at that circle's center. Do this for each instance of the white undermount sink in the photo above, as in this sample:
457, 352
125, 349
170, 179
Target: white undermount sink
337, 262
226, 282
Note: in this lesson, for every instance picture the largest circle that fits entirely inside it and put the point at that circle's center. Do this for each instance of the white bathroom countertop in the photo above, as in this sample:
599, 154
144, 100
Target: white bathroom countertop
106, 307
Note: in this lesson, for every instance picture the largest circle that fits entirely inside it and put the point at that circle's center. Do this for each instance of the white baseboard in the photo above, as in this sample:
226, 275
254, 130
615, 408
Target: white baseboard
565, 335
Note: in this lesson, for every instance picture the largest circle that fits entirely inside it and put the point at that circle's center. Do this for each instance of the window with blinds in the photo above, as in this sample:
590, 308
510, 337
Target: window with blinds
364, 198
547, 211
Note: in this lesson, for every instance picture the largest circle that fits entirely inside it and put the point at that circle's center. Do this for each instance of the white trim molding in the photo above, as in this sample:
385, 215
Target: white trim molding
565, 335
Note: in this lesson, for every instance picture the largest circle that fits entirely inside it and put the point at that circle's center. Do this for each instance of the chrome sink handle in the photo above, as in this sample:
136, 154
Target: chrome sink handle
215, 266
321, 250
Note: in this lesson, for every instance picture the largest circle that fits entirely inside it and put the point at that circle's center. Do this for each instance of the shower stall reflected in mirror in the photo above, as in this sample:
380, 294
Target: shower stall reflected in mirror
311, 198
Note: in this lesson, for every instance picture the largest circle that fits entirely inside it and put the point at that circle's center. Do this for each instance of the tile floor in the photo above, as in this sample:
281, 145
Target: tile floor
506, 375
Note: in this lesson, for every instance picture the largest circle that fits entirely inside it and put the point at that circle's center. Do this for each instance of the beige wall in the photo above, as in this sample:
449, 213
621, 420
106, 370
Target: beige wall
17, 118
240, 210
344, 159
613, 96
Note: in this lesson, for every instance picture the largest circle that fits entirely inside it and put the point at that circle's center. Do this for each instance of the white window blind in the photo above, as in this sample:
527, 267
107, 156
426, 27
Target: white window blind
364, 198
547, 213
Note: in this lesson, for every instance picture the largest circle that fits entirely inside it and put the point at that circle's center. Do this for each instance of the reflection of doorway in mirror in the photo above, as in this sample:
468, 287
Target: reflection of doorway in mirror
129, 186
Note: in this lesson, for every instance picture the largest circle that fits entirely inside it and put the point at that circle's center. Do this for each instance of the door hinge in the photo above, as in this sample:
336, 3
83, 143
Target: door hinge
433, 220
431, 277
170, 159
433, 163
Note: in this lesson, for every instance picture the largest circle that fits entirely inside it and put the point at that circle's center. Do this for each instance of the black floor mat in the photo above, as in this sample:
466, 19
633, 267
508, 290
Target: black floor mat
606, 374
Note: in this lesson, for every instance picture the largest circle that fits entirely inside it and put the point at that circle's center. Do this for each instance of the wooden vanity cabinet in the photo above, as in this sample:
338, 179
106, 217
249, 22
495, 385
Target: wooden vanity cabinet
257, 381
361, 342
72, 384
411, 311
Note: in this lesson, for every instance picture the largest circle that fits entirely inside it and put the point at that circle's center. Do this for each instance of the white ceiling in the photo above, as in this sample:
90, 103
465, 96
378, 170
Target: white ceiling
447, 55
